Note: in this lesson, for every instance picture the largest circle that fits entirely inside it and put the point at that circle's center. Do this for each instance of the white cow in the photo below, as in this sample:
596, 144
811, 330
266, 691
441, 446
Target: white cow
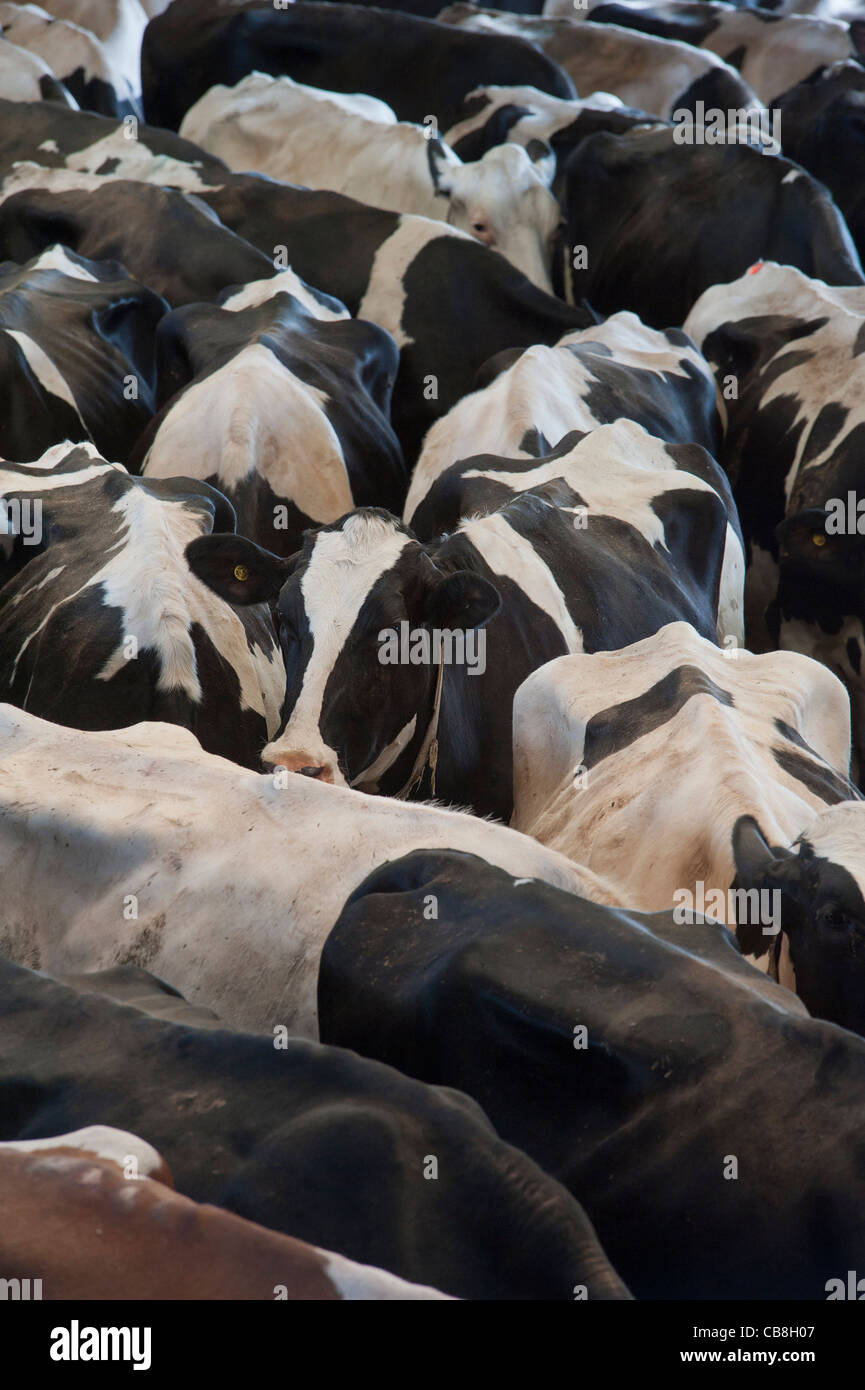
223, 882
118, 25
638, 763
301, 135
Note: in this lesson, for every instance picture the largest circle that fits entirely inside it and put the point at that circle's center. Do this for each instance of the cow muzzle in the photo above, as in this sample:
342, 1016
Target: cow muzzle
306, 764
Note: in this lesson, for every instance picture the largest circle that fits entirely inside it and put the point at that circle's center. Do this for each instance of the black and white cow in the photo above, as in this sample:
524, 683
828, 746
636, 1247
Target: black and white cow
821, 882
712, 1130
492, 116
660, 76
502, 199
616, 470
101, 623
638, 764
388, 673
619, 369
119, 27
78, 361
428, 69
37, 133
792, 348
286, 413
772, 51
730, 206
24, 77
823, 124
167, 241
420, 280
74, 55
269, 1133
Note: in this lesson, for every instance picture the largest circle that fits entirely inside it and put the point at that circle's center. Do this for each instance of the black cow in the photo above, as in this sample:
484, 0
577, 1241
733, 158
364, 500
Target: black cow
283, 412
77, 345
823, 125
101, 623
820, 880
419, 67
660, 221
304, 1139
372, 700
712, 1131
165, 239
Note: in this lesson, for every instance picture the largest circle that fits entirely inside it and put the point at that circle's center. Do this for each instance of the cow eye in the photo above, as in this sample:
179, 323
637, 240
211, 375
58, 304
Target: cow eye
834, 917
479, 227
818, 538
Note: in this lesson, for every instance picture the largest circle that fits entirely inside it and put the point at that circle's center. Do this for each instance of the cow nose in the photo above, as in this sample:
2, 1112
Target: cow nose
301, 763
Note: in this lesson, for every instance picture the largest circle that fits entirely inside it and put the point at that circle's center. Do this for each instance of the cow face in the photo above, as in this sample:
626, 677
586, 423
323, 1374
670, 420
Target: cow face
822, 907
504, 200
359, 695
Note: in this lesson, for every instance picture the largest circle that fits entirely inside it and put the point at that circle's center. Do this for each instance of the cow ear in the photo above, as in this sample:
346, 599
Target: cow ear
462, 600
759, 865
542, 157
237, 569
442, 163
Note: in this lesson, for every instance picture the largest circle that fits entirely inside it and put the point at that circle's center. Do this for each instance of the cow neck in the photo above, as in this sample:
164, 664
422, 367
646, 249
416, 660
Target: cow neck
428, 752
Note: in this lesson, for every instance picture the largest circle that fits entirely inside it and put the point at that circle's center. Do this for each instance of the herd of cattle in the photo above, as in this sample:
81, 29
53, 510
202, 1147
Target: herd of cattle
432, 649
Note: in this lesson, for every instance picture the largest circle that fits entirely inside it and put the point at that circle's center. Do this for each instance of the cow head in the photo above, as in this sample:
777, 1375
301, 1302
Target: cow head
504, 200
812, 548
822, 910
356, 710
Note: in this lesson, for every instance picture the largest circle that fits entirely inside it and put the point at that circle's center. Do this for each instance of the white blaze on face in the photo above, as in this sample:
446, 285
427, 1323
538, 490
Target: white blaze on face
254, 416
838, 834
345, 565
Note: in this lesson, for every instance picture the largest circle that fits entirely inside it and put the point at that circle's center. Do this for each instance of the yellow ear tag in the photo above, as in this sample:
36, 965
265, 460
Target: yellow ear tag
241, 573
817, 539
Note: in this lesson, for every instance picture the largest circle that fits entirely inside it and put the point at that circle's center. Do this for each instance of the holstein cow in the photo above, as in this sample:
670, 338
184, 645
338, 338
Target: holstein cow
77, 355
502, 199
492, 116
623, 193
793, 448
421, 280
284, 413
712, 1131
613, 370
101, 623
243, 943
772, 51
660, 76
429, 68
270, 1128
37, 133
74, 55
24, 77
118, 25
638, 764
824, 130
402, 659
616, 470
167, 241
820, 881
96, 1226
